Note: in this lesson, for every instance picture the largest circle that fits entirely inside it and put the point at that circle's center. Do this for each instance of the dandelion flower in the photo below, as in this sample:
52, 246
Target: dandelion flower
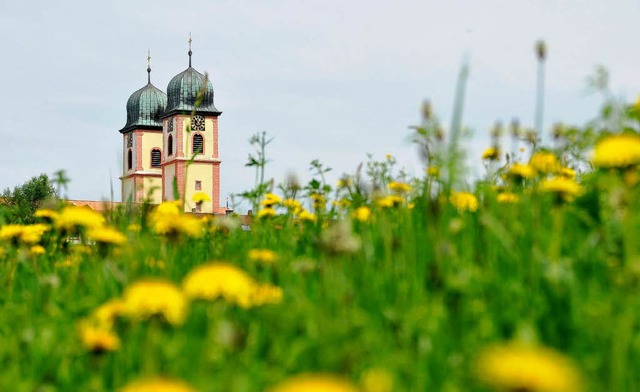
433, 171
319, 201
507, 198
264, 294
219, 280
566, 188
148, 298
157, 385
97, 339
264, 256
399, 187
389, 201
545, 162
36, 250
105, 315
72, 218
168, 208
617, 151
200, 197
292, 205
314, 383
270, 200
491, 154
267, 212
307, 216
567, 172
46, 214
106, 235
32, 234
175, 225
362, 214
464, 201
527, 368
519, 171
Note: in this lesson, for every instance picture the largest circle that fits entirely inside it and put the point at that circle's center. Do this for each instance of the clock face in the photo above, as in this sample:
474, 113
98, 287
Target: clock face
198, 123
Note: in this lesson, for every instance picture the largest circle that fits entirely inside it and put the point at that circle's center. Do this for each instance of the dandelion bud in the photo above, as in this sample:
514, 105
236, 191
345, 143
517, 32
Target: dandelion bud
541, 50
427, 111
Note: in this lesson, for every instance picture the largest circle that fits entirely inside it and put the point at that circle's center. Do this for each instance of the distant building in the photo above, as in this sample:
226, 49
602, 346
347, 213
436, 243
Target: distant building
170, 143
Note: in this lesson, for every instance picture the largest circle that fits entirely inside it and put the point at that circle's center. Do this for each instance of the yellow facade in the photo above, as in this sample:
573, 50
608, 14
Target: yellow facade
202, 172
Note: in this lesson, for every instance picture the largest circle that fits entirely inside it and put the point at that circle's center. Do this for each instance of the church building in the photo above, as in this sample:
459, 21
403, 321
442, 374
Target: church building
170, 143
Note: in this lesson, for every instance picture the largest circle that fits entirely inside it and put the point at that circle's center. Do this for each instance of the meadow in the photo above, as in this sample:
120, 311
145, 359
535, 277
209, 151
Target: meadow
524, 280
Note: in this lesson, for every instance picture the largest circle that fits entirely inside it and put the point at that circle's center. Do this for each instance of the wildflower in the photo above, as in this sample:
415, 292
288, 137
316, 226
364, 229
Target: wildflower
433, 171
491, 154
73, 218
263, 294
617, 151
507, 198
362, 214
97, 339
389, 201
267, 212
545, 162
319, 201
32, 234
264, 256
106, 235
521, 172
270, 200
148, 298
566, 188
343, 183
527, 368
36, 250
157, 385
307, 216
11, 232
200, 197
567, 172
399, 187
292, 205
168, 208
46, 214
464, 201
105, 315
314, 383
219, 280
134, 228
342, 203
168, 221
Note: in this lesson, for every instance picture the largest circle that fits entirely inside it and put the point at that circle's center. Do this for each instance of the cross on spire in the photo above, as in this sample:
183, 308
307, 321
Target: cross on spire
190, 52
149, 66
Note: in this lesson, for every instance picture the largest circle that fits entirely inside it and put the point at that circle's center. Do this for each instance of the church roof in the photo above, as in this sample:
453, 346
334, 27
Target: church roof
145, 106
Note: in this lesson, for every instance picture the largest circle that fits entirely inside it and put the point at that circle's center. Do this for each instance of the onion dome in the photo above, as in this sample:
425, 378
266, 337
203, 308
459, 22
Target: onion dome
145, 107
183, 89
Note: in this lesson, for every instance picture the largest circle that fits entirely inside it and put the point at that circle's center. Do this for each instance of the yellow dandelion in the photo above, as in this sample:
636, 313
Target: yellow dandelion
292, 205
319, 200
545, 162
36, 250
134, 228
519, 171
107, 313
72, 218
46, 214
566, 188
343, 183
200, 197
97, 339
567, 172
264, 256
507, 198
106, 235
342, 204
267, 212
491, 154
148, 298
307, 216
32, 234
464, 201
219, 280
263, 294
389, 201
362, 214
527, 368
168, 208
11, 232
270, 200
174, 225
433, 171
399, 187
315, 383
617, 151
157, 385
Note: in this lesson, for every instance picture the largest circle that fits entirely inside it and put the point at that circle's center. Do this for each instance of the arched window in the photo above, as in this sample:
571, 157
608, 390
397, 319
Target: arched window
170, 145
156, 157
198, 144
129, 160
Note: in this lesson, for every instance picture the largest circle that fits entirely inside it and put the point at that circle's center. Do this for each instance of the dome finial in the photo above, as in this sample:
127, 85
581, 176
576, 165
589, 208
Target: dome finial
149, 66
190, 52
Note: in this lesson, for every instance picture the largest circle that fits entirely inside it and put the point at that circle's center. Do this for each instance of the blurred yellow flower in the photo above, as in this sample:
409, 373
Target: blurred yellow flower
399, 187
267, 212
307, 216
566, 188
263, 294
72, 218
343, 183
168, 208
545, 162
617, 151
464, 201
507, 198
433, 171
270, 200
167, 223
105, 315
292, 204
200, 197
36, 250
157, 385
491, 154
28, 234
567, 172
265, 256
519, 171
342, 204
389, 201
314, 383
46, 214
97, 339
219, 280
106, 235
134, 228
154, 297
516, 367
319, 200
362, 214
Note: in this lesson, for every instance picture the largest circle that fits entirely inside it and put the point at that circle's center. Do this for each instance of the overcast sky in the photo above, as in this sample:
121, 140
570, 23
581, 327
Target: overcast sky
330, 80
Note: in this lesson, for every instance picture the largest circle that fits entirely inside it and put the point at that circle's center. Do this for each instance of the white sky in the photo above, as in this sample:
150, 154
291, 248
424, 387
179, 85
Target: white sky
330, 80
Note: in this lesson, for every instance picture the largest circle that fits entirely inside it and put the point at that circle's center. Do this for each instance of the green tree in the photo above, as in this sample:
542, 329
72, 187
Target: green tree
18, 206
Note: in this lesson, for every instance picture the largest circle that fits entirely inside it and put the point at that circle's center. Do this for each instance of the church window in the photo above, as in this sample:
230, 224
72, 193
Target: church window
170, 145
198, 144
156, 157
198, 185
129, 160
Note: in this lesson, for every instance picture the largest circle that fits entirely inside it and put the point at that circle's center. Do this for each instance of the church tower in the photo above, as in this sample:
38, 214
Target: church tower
142, 144
190, 160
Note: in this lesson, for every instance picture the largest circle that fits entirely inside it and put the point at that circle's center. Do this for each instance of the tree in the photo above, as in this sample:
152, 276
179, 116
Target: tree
18, 206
